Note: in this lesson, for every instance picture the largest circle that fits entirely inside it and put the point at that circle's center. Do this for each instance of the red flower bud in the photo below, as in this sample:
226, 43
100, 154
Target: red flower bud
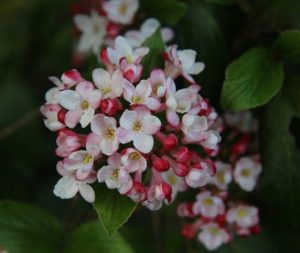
183, 154
181, 169
170, 142
160, 164
188, 231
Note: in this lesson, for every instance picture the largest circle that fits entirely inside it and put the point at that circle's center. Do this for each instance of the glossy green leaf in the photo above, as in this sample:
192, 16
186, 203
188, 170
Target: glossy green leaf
154, 58
288, 44
251, 80
25, 228
91, 238
112, 208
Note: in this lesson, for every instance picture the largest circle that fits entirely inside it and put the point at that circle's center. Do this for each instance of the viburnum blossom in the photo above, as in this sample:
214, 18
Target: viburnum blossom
217, 218
133, 123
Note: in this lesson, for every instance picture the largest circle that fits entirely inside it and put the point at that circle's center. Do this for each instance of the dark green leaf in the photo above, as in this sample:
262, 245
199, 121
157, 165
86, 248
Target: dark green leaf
251, 80
221, 2
154, 58
166, 11
91, 238
25, 228
113, 209
288, 44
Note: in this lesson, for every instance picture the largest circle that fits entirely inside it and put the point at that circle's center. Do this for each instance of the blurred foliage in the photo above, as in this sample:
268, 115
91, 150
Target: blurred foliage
36, 41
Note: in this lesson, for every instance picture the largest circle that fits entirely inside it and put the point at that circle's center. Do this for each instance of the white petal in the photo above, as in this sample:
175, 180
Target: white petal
127, 119
87, 192
143, 142
151, 124
66, 187
87, 117
82, 22
101, 78
69, 99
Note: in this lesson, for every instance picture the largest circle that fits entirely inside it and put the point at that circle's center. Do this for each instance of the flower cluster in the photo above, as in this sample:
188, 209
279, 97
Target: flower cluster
218, 218
138, 134
101, 22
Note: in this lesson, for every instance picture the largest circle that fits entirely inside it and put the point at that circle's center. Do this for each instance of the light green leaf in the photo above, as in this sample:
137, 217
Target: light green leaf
251, 80
154, 58
25, 228
288, 44
91, 238
112, 208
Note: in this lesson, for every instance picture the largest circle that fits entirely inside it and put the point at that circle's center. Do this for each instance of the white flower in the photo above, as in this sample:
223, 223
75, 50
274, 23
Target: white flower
194, 127
212, 236
183, 61
68, 186
138, 126
137, 37
244, 216
121, 11
177, 183
179, 102
114, 176
246, 172
208, 206
200, 175
124, 50
223, 176
140, 94
108, 84
81, 104
50, 111
159, 83
105, 129
93, 30
133, 161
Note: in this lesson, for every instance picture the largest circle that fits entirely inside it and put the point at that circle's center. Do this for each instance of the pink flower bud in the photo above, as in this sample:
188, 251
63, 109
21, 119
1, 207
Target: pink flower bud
188, 231
104, 57
170, 142
181, 169
110, 106
160, 164
113, 29
183, 154
61, 115
138, 192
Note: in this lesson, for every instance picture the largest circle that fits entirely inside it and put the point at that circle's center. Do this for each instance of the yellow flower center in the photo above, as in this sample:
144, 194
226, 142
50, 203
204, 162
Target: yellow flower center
208, 202
246, 172
155, 88
85, 105
87, 159
221, 177
137, 126
122, 9
106, 90
134, 156
115, 174
137, 100
242, 213
213, 230
110, 133
172, 180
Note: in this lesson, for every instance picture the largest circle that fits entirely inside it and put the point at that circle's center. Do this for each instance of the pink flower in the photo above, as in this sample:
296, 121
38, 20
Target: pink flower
158, 83
68, 186
68, 142
179, 102
80, 103
140, 94
124, 50
133, 161
212, 236
114, 176
244, 216
50, 112
183, 62
194, 128
223, 176
138, 126
208, 206
108, 84
121, 11
105, 136
246, 172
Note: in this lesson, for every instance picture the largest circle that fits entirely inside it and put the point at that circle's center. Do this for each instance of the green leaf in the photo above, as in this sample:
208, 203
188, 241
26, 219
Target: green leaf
251, 80
25, 228
221, 2
154, 58
91, 238
166, 11
288, 44
279, 189
112, 208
